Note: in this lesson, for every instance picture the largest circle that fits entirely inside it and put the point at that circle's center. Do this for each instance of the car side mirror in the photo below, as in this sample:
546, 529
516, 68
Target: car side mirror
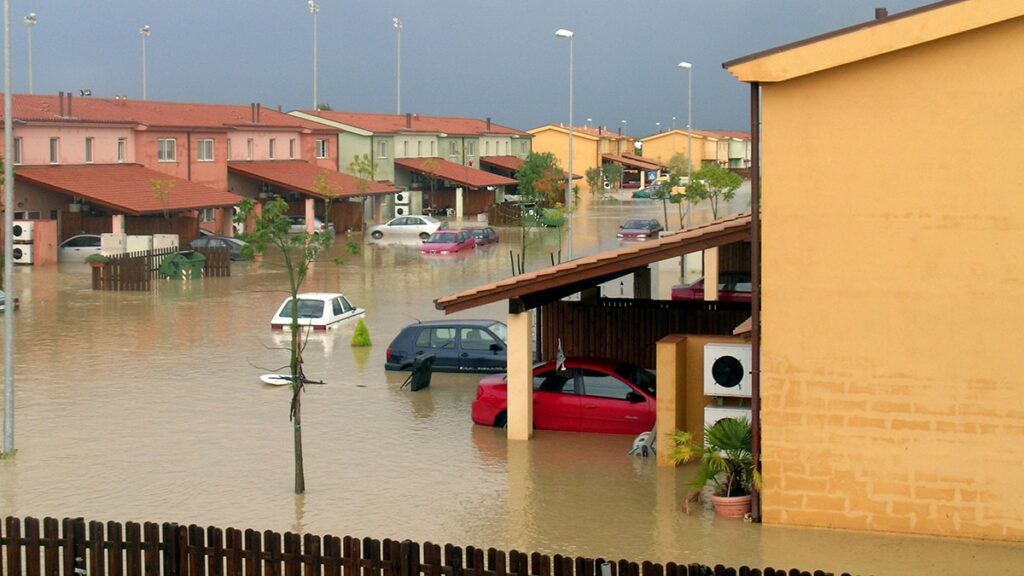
495, 347
634, 397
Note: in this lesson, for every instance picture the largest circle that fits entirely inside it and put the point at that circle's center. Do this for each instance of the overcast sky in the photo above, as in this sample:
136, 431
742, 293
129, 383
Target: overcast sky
473, 58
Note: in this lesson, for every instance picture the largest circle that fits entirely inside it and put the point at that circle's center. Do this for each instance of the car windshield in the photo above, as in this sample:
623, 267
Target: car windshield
441, 238
642, 377
307, 309
499, 330
635, 224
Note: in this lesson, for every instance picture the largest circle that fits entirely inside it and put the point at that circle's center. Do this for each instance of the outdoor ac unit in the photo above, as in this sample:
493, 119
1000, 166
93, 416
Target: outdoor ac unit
161, 241
713, 414
111, 243
23, 254
23, 230
402, 210
402, 197
138, 243
727, 370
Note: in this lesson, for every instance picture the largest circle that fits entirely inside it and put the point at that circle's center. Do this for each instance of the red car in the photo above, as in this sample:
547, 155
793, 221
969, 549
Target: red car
447, 242
483, 235
732, 287
587, 395
640, 230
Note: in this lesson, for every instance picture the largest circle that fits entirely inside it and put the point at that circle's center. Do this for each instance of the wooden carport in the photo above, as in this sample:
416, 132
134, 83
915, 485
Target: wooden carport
528, 292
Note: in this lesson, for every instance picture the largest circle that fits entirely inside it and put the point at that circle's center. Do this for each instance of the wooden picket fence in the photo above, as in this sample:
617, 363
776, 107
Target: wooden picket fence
72, 547
138, 270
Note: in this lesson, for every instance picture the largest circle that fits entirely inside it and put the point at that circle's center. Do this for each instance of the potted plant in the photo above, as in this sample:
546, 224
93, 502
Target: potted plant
96, 260
726, 464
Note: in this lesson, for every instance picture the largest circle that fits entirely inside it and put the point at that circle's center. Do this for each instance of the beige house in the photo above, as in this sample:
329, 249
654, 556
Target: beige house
727, 149
589, 145
892, 275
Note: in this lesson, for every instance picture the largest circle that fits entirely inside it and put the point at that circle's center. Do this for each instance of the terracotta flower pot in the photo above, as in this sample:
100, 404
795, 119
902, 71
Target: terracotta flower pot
731, 506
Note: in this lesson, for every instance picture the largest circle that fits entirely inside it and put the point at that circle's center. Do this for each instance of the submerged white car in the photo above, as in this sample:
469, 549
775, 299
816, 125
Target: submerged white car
316, 310
416, 225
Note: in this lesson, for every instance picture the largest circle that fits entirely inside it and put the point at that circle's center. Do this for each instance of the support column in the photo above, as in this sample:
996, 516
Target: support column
642, 283
520, 376
310, 214
117, 223
670, 362
458, 202
711, 274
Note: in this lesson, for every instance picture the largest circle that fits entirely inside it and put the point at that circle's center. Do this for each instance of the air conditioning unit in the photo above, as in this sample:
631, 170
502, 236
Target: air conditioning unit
727, 370
713, 414
402, 210
161, 241
23, 254
111, 243
23, 230
138, 243
402, 197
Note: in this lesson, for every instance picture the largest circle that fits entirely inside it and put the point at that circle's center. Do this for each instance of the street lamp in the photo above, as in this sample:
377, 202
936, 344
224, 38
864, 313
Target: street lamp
689, 134
314, 8
30, 21
398, 98
657, 127
144, 32
563, 33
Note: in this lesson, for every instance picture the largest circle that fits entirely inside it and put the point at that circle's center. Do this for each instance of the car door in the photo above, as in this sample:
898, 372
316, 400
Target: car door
441, 341
556, 405
480, 351
610, 405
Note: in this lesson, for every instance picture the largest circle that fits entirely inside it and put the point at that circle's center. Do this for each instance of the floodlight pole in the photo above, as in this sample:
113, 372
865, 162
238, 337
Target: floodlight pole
563, 33
8, 446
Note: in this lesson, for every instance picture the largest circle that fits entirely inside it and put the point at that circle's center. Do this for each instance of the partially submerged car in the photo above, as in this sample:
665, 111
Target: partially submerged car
316, 310
732, 287
448, 242
457, 346
416, 225
483, 235
639, 229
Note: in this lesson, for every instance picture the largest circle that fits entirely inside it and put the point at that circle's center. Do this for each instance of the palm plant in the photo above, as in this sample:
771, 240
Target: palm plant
726, 458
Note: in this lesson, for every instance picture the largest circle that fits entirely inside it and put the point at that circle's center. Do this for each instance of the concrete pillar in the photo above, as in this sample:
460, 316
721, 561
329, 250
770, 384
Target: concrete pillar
117, 224
670, 363
310, 214
711, 274
520, 376
642, 283
458, 202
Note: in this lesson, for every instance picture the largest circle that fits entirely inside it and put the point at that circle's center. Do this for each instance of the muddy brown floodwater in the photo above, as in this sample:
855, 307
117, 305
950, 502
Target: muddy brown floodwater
148, 407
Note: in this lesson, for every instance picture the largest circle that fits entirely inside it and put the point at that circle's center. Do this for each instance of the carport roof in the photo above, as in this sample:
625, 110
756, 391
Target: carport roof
126, 188
633, 162
452, 172
534, 289
303, 177
510, 163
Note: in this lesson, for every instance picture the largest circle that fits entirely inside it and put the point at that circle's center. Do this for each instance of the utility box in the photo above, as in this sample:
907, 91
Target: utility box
161, 241
112, 244
138, 243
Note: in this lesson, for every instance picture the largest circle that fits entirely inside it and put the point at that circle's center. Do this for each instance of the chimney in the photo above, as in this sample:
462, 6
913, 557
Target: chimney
252, 112
279, 108
259, 108
61, 97
69, 104
881, 13
488, 123
408, 120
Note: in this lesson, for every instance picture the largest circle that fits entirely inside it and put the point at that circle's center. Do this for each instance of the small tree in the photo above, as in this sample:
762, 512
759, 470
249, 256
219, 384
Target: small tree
541, 181
595, 179
713, 183
613, 173
270, 230
363, 169
162, 192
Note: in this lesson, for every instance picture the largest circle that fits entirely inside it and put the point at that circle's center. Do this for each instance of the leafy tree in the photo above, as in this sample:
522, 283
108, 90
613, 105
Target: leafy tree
271, 230
613, 173
162, 192
595, 179
541, 181
363, 169
713, 183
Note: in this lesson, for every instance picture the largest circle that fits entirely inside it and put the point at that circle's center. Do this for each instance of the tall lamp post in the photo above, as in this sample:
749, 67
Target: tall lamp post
563, 33
689, 134
144, 32
30, 21
398, 83
314, 8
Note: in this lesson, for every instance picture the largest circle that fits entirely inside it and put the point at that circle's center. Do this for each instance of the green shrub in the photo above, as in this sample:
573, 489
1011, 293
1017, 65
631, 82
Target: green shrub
361, 337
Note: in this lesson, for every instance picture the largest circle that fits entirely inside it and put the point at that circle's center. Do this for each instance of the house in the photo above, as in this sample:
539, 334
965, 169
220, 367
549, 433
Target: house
726, 149
436, 162
592, 147
889, 360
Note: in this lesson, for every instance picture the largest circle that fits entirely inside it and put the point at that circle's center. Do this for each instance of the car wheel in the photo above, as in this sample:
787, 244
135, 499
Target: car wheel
377, 234
424, 235
501, 420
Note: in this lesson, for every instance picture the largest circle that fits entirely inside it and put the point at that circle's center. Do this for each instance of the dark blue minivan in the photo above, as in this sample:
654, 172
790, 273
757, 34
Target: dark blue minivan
457, 346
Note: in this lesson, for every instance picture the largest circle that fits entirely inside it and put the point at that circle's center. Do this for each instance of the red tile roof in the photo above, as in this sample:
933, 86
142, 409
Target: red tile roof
536, 288
126, 188
585, 131
633, 161
398, 123
455, 172
51, 108
302, 176
510, 163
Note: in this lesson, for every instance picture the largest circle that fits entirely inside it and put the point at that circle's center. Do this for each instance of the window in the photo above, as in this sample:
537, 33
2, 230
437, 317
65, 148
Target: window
88, 150
382, 149
291, 148
321, 149
165, 150
272, 148
477, 339
453, 150
557, 381
432, 148
228, 153
419, 149
208, 215
405, 148
54, 150
436, 338
248, 149
204, 150
471, 148
17, 151
604, 385
122, 149
487, 147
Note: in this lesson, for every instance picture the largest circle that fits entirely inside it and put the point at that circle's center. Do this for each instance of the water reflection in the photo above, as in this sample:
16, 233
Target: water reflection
149, 407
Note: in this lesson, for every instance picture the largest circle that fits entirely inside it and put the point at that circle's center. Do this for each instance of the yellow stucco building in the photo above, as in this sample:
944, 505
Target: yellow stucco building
589, 144
727, 149
892, 227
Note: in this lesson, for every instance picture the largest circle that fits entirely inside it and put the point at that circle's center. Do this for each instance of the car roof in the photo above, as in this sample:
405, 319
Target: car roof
318, 295
455, 322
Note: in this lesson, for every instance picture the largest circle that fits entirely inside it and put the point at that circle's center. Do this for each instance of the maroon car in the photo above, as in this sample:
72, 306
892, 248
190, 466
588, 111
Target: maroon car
447, 242
732, 287
483, 235
640, 229
585, 395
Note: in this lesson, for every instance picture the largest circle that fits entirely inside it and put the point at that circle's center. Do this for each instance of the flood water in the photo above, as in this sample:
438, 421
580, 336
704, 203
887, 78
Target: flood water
148, 407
